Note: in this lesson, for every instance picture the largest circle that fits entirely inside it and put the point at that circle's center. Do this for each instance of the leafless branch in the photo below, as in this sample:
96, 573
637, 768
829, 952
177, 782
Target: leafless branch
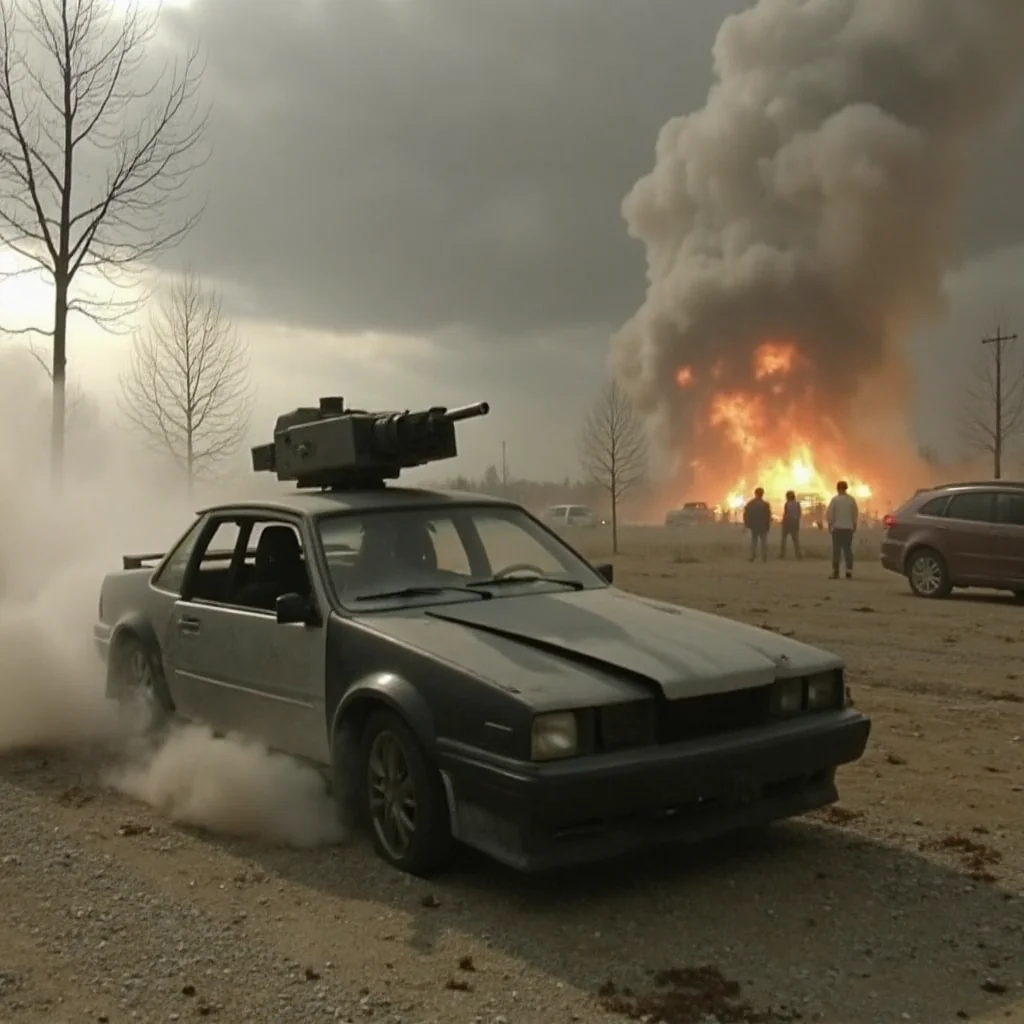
78, 406
613, 447
187, 388
96, 152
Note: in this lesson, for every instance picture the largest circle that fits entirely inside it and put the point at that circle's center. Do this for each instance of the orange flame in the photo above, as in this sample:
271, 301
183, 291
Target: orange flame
782, 449
684, 376
739, 416
773, 359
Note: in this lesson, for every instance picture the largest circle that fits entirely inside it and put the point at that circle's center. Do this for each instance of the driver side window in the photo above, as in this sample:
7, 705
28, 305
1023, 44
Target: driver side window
507, 544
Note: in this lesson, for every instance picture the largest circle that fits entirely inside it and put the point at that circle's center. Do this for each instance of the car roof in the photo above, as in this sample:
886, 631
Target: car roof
320, 503
968, 485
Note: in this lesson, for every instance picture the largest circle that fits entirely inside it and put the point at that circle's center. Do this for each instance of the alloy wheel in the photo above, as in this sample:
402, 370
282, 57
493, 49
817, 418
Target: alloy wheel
392, 795
926, 575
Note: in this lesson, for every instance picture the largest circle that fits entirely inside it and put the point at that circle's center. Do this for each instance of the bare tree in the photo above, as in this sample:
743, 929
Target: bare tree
187, 386
94, 153
993, 408
613, 448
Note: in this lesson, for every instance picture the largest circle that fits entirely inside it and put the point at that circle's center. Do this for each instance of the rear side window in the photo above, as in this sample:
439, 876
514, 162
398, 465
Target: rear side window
974, 507
1010, 508
172, 575
934, 507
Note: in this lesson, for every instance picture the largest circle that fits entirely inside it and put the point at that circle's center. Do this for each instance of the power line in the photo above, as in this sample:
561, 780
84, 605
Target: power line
997, 448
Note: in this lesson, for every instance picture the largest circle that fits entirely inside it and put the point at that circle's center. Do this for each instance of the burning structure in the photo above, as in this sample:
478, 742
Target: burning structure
797, 227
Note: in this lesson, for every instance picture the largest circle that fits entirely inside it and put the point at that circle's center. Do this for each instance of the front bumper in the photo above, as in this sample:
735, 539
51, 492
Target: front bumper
546, 816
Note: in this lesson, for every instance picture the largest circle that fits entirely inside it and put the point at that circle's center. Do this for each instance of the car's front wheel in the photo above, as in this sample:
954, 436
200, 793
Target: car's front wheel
403, 797
928, 574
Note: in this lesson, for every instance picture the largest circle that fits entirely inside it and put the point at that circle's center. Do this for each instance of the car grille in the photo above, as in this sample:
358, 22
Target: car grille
696, 717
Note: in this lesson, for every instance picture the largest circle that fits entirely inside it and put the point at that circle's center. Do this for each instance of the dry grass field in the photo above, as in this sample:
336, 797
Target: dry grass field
905, 903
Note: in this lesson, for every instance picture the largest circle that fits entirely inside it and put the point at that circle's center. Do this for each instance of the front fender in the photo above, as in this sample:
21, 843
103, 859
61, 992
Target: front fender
391, 691
359, 701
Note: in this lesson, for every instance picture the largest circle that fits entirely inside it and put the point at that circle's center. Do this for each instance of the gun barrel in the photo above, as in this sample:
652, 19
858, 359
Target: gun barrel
467, 412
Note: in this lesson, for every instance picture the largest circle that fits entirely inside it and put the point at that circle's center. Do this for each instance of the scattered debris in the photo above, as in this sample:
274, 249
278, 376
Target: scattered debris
458, 985
466, 963
975, 858
997, 988
895, 759
188, 990
131, 828
689, 995
778, 629
836, 815
430, 901
76, 796
311, 974
865, 608
1008, 697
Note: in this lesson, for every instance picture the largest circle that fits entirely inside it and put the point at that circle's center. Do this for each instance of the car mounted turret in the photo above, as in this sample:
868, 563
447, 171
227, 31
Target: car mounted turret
335, 448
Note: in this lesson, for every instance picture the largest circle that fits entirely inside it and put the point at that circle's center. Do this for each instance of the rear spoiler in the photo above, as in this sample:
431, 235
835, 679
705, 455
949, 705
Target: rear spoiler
139, 561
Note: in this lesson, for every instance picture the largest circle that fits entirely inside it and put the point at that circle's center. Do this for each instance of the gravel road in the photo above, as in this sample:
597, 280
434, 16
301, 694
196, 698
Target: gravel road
904, 904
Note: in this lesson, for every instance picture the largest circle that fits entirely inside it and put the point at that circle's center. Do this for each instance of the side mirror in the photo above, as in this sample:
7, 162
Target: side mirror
606, 571
294, 608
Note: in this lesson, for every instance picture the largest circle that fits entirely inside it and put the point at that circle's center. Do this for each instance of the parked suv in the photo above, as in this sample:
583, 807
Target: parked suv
959, 535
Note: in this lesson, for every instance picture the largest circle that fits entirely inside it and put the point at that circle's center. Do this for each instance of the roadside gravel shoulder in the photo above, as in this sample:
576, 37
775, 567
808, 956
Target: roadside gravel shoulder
87, 938
847, 919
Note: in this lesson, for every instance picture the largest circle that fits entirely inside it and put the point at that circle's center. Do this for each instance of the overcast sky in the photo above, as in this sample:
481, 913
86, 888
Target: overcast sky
418, 201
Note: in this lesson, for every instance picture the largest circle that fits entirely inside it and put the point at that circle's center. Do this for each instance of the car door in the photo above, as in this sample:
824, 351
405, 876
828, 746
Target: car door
234, 666
971, 544
1009, 533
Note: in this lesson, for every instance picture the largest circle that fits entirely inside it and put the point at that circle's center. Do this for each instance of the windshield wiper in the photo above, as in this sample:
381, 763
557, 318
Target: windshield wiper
501, 581
423, 591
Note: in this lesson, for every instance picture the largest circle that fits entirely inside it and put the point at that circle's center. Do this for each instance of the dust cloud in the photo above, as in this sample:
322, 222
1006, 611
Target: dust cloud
814, 202
233, 786
54, 551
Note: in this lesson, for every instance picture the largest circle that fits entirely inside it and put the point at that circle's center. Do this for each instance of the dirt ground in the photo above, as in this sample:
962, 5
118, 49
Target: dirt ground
904, 903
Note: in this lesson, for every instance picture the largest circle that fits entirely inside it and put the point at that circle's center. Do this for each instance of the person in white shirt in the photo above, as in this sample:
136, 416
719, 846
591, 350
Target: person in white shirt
842, 517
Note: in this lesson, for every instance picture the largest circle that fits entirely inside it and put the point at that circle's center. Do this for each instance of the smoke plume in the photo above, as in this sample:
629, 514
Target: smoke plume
798, 225
54, 551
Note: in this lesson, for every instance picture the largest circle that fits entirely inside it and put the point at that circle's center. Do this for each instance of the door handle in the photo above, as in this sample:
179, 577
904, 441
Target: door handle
188, 624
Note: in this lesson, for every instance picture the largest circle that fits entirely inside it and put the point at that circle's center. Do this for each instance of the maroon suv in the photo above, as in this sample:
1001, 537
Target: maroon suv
959, 535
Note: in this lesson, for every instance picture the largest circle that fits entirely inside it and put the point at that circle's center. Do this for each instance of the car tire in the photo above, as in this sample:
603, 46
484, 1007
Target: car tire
928, 574
396, 777
136, 677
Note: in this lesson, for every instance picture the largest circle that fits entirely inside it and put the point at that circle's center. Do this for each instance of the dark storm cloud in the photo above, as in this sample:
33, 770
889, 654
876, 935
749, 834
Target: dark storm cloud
408, 164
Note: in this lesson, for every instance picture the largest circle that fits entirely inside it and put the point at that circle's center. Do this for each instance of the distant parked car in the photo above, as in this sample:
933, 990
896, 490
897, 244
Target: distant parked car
693, 513
570, 515
959, 535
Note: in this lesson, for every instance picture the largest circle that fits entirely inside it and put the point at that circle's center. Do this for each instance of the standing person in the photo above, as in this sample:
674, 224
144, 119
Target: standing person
842, 517
792, 514
757, 518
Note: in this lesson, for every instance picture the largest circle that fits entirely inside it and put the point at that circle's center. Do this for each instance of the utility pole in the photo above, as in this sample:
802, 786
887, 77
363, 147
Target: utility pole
504, 470
997, 446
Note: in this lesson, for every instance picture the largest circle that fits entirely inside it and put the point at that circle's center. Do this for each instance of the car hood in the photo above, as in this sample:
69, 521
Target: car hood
620, 636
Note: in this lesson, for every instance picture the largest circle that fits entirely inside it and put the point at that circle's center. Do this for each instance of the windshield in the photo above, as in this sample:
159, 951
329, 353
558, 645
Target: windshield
453, 553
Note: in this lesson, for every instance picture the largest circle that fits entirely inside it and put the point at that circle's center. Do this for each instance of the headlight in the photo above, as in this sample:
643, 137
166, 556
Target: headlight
789, 696
554, 735
824, 690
